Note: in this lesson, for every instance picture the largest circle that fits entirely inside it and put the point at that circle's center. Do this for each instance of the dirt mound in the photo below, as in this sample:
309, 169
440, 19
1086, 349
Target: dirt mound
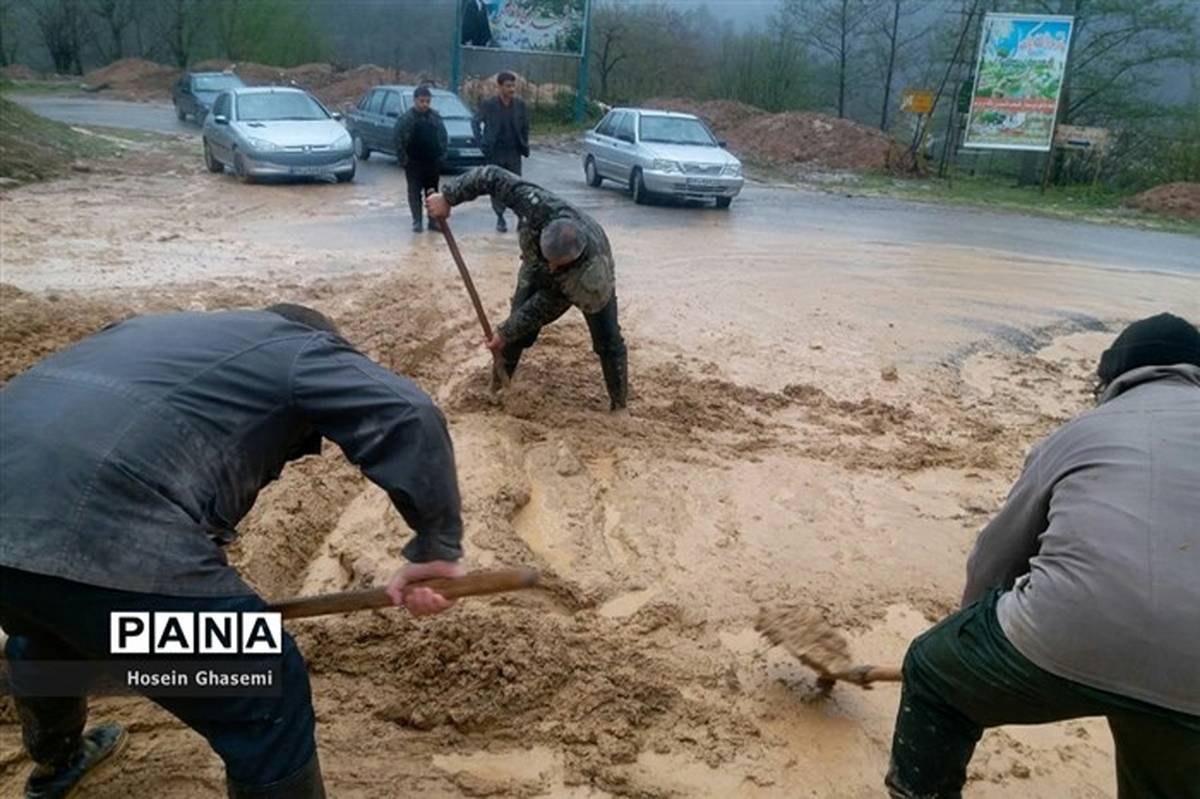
1171, 199
32, 327
19, 72
134, 76
336, 88
795, 137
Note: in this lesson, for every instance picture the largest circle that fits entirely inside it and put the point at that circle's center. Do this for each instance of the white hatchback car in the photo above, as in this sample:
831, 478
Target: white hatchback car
661, 153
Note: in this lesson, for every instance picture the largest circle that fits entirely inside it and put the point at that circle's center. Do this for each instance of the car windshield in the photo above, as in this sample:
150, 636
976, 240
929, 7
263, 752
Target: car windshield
450, 106
216, 83
278, 106
676, 130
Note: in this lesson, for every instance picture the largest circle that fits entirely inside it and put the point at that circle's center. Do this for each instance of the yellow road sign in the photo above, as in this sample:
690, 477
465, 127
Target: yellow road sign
916, 101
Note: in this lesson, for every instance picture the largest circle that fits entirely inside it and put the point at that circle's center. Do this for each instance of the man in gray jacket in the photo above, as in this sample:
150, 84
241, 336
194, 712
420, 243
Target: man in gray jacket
126, 463
1083, 594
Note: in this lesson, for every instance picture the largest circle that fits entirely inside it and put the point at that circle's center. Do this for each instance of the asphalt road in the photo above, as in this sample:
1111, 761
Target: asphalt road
760, 209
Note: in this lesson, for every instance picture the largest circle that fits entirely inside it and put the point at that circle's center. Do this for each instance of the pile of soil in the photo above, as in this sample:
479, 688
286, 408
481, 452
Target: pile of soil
19, 72
794, 137
336, 88
33, 327
1170, 199
133, 76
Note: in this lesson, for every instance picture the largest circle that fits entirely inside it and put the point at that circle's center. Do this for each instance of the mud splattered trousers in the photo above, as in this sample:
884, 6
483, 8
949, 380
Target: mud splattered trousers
963, 676
420, 177
267, 743
607, 343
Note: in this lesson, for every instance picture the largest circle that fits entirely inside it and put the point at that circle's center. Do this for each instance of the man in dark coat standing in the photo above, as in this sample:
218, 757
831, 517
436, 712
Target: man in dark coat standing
421, 144
502, 128
476, 30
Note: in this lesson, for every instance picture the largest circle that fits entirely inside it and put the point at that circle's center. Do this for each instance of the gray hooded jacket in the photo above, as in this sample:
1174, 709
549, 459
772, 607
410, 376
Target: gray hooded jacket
1099, 542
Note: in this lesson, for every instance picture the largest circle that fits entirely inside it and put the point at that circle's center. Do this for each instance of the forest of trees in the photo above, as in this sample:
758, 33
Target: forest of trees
1133, 66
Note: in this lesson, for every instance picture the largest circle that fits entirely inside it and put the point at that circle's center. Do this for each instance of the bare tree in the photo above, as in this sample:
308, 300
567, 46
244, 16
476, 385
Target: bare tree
8, 49
893, 44
115, 17
177, 25
609, 30
61, 25
835, 29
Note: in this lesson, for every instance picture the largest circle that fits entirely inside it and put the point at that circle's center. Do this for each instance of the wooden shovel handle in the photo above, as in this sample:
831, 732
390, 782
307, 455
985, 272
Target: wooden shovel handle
865, 675
477, 584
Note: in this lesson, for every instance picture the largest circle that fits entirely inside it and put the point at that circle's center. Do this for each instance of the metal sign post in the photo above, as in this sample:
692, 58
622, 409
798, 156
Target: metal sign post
581, 88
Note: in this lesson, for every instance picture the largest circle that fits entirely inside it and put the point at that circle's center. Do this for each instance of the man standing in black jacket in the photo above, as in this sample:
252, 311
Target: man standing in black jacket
476, 30
421, 144
126, 463
502, 129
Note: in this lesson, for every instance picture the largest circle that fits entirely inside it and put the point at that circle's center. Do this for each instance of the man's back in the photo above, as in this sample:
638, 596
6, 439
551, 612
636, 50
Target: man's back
1112, 595
128, 458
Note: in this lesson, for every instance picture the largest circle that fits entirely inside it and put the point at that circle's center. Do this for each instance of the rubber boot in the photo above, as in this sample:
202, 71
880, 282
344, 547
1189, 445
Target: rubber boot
304, 784
95, 747
616, 379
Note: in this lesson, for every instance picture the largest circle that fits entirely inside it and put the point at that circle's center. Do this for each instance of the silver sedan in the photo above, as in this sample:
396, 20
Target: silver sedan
276, 131
661, 153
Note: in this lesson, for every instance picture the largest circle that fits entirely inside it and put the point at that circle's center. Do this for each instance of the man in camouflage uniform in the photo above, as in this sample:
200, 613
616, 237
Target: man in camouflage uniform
565, 260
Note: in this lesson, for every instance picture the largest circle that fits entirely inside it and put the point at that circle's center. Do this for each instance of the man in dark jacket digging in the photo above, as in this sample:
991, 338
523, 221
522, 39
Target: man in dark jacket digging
1083, 594
421, 145
126, 463
565, 260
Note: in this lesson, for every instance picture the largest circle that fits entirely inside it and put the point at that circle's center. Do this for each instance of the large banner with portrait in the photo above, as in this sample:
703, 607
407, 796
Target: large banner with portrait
1018, 81
539, 26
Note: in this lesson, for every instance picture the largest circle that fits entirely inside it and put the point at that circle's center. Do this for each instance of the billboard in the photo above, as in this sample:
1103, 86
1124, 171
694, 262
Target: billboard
1018, 81
539, 26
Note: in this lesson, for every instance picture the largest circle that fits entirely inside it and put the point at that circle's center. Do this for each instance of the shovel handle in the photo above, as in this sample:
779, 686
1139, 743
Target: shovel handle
865, 675
477, 584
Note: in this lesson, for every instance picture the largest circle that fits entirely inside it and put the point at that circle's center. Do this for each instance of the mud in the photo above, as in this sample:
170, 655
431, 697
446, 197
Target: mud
828, 431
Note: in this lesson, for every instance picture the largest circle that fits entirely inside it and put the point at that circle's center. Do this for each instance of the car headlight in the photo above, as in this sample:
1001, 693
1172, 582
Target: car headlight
343, 140
262, 144
732, 170
660, 165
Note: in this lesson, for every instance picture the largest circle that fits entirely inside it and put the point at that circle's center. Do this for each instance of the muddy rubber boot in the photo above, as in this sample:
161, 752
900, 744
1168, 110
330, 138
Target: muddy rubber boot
501, 225
304, 784
98, 745
616, 380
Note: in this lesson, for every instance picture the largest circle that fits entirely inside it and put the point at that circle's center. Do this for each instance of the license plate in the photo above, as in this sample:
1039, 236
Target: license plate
469, 152
309, 170
702, 184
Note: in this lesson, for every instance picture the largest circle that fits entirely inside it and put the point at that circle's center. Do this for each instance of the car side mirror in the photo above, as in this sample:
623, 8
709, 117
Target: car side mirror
337, 115
722, 143
221, 119
393, 114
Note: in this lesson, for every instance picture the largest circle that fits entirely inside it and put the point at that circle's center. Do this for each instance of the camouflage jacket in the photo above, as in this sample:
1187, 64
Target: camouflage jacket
589, 284
404, 132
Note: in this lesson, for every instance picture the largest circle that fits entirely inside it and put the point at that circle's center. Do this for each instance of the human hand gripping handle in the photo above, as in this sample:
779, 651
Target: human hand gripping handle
422, 600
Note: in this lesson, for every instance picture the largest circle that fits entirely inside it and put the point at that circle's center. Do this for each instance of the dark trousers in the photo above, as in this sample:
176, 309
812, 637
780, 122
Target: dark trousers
505, 160
421, 176
963, 676
264, 741
607, 341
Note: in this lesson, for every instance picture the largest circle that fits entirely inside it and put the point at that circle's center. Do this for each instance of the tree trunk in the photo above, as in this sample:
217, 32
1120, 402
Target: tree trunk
891, 68
842, 60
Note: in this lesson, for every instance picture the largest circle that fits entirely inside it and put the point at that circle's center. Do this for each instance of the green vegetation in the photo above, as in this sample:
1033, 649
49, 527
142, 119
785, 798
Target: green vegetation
1076, 202
39, 87
34, 148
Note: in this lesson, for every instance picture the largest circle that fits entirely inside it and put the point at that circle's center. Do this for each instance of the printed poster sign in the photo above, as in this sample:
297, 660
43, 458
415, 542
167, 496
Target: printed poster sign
1018, 81
543, 26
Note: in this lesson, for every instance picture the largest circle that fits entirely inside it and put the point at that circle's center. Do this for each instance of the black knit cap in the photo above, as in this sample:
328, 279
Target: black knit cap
1155, 341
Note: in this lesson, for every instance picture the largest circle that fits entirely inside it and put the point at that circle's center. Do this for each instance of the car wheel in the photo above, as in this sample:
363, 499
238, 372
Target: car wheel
346, 177
361, 151
210, 160
589, 171
637, 187
180, 114
239, 168
724, 202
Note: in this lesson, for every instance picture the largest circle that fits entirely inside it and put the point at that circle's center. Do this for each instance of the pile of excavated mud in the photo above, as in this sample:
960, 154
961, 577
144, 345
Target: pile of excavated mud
134, 77
801, 138
1171, 199
32, 327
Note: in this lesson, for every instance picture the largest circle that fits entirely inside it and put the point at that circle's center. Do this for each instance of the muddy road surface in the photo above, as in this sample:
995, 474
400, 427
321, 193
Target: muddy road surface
829, 398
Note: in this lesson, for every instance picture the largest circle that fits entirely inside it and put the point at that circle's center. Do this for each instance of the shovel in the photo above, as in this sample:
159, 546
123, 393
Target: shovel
810, 639
476, 584
497, 363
